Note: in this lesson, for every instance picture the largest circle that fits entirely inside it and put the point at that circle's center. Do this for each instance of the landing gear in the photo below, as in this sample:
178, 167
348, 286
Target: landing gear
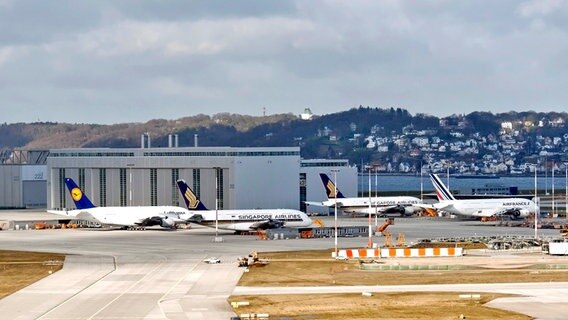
136, 228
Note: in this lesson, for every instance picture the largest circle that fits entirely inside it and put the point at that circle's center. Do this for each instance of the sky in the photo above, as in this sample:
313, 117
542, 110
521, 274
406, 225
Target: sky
110, 61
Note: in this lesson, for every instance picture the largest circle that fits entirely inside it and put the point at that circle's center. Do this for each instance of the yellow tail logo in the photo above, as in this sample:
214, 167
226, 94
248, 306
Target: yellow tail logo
331, 189
192, 200
76, 194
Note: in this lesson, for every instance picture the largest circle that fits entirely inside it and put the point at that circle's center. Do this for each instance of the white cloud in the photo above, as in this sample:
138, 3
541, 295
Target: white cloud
537, 8
175, 60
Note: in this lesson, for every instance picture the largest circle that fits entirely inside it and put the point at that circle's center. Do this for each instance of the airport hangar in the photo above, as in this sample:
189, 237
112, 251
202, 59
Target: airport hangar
240, 178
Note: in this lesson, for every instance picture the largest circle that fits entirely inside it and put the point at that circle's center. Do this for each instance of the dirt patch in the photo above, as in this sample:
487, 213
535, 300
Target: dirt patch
20, 269
379, 306
315, 268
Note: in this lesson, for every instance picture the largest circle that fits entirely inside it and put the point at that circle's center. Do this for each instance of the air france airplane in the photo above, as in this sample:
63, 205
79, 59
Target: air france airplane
487, 207
243, 219
402, 205
132, 218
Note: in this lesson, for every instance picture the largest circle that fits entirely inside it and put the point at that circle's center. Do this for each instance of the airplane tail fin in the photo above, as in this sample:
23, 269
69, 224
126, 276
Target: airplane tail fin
189, 197
442, 191
80, 199
330, 188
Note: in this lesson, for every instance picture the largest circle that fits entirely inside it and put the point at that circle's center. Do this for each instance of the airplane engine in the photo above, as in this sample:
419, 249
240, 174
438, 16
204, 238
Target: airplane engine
275, 224
522, 213
271, 224
167, 222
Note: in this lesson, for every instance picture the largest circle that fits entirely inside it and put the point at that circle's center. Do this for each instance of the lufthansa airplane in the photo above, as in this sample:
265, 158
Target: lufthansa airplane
132, 218
242, 219
487, 207
402, 205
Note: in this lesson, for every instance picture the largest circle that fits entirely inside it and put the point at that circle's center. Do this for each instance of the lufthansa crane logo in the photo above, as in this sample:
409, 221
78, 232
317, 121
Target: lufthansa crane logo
76, 194
192, 200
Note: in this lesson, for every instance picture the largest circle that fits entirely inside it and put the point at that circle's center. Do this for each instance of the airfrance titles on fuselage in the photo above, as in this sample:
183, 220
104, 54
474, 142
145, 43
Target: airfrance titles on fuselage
516, 203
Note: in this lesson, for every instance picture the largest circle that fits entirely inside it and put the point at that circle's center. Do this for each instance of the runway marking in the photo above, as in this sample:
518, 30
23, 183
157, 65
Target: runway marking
185, 276
129, 288
115, 265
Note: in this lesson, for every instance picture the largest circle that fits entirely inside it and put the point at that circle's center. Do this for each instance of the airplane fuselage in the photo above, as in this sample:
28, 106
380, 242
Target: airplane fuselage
246, 220
361, 205
487, 207
130, 216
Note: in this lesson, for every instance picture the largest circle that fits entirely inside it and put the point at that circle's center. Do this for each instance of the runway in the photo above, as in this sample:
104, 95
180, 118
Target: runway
156, 274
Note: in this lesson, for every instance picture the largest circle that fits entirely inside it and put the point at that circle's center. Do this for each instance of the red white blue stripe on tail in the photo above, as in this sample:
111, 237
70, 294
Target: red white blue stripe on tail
442, 192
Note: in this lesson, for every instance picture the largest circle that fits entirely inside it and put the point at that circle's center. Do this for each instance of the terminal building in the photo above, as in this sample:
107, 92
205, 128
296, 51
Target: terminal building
234, 178
23, 179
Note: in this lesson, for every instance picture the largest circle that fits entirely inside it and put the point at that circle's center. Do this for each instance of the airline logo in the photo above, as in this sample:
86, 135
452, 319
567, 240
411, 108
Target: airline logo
192, 200
516, 203
394, 202
76, 194
442, 191
331, 190
284, 216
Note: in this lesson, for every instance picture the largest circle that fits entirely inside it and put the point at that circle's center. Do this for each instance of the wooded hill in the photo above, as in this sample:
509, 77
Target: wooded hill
339, 134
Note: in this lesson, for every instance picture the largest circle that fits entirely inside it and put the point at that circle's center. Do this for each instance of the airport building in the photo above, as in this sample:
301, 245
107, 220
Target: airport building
239, 178
312, 188
23, 181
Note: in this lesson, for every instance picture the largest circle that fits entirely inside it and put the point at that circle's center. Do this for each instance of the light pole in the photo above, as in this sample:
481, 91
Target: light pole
553, 206
217, 238
376, 194
566, 192
536, 203
421, 183
370, 241
335, 215
448, 175
545, 176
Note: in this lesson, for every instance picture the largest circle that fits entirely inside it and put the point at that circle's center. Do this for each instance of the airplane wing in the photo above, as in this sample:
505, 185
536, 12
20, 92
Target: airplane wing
314, 203
62, 213
514, 212
328, 203
366, 210
267, 224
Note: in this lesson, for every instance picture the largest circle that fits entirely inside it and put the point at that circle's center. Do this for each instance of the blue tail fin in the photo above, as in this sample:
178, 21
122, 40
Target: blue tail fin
80, 199
329, 186
189, 197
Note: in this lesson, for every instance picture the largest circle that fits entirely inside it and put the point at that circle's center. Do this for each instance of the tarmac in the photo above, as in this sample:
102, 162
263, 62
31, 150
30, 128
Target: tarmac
159, 274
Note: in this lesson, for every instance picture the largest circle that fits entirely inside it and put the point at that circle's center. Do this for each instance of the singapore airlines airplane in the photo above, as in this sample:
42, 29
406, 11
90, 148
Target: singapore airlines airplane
487, 207
243, 219
402, 205
131, 218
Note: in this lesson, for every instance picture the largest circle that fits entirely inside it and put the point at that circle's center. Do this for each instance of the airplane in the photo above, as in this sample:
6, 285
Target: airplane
487, 207
402, 205
130, 218
241, 219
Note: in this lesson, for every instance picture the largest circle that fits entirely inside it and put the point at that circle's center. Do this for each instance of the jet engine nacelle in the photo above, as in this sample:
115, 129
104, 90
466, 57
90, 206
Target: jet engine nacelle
518, 213
522, 213
167, 222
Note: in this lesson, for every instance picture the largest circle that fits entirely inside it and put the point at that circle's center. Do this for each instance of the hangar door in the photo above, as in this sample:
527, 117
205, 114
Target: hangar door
35, 194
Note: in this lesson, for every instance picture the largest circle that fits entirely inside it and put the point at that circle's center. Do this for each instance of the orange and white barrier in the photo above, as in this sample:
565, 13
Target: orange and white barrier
358, 253
398, 253
421, 252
